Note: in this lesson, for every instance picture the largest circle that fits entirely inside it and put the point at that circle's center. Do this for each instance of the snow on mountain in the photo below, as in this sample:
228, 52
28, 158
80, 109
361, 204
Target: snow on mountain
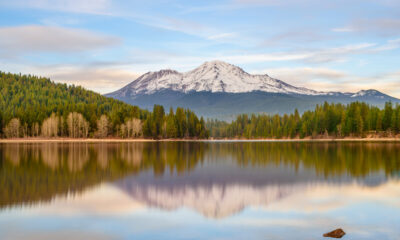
214, 76
368, 93
220, 90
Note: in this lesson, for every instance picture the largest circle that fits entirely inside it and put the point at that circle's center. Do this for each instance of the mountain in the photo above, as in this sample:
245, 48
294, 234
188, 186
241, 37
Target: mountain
219, 89
215, 76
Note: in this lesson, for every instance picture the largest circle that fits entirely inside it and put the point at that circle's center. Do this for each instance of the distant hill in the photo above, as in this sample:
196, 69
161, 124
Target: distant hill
218, 89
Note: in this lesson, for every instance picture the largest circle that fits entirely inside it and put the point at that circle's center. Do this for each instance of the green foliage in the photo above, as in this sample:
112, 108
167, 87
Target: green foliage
336, 120
171, 127
33, 99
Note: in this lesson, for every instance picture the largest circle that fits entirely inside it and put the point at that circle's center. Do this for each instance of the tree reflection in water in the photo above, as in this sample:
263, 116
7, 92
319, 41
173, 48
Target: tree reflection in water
31, 173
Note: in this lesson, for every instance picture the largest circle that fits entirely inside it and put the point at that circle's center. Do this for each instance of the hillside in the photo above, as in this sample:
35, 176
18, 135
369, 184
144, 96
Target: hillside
32, 100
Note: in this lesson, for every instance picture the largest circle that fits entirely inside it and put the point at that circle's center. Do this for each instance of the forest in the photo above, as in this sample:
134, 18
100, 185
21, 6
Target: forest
356, 119
32, 106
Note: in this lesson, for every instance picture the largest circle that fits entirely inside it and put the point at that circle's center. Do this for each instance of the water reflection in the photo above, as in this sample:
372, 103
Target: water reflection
270, 186
216, 179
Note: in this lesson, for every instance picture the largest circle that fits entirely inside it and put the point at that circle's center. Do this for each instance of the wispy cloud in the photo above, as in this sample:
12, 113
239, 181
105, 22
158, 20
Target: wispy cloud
295, 37
102, 78
100, 7
45, 39
309, 56
222, 36
113, 9
175, 24
301, 75
382, 26
321, 79
389, 45
326, 79
343, 29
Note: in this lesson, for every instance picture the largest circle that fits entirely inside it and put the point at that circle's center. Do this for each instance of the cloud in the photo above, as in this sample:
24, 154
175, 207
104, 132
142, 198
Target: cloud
175, 24
258, 2
270, 2
304, 76
100, 7
316, 55
117, 10
222, 36
343, 29
325, 79
51, 39
386, 27
390, 45
308, 56
295, 37
100, 78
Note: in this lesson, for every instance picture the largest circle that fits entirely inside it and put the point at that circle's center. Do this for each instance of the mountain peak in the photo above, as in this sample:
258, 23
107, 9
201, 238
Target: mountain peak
220, 65
163, 72
212, 76
217, 64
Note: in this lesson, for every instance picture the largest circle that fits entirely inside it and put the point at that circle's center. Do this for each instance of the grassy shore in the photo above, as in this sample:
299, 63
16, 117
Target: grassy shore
117, 140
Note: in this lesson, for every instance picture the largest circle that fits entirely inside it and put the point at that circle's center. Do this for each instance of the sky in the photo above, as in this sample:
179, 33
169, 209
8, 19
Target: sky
336, 45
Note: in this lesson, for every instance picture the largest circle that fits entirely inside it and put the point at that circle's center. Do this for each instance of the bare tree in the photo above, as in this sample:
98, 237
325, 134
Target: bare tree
136, 127
133, 128
35, 129
13, 128
102, 126
78, 127
122, 131
24, 130
50, 126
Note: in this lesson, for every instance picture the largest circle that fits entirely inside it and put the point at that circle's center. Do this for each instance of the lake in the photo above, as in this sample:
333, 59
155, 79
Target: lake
199, 190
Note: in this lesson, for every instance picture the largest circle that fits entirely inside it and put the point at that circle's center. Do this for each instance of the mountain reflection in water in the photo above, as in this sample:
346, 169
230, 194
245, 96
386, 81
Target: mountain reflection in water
215, 179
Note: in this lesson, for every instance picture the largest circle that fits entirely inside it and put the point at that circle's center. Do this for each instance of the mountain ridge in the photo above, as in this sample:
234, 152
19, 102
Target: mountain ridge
212, 76
222, 90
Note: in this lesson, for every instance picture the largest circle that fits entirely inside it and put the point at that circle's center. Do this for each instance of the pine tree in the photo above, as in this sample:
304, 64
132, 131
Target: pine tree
387, 116
171, 128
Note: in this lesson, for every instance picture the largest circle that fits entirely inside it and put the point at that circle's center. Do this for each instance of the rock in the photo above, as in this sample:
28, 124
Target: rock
338, 233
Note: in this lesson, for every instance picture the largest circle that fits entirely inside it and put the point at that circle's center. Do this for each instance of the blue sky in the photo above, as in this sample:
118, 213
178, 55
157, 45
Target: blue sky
102, 45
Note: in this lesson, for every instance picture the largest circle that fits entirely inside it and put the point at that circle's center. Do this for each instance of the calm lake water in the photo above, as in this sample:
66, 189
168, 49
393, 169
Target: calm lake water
199, 190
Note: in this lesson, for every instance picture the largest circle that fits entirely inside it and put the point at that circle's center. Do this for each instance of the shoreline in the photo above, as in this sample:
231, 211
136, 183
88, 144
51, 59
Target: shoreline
116, 140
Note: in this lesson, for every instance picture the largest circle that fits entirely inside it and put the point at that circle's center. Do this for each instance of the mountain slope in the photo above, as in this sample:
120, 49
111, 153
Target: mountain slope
222, 90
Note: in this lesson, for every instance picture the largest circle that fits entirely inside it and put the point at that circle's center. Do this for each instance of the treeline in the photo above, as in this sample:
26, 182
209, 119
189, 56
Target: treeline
32, 106
331, 120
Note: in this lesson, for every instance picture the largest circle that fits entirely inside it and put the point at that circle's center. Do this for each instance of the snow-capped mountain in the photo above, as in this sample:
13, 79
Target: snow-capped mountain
214, 76
222, 90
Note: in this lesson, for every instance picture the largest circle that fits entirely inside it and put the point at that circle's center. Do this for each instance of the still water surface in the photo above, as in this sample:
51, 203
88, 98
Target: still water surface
199, 190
